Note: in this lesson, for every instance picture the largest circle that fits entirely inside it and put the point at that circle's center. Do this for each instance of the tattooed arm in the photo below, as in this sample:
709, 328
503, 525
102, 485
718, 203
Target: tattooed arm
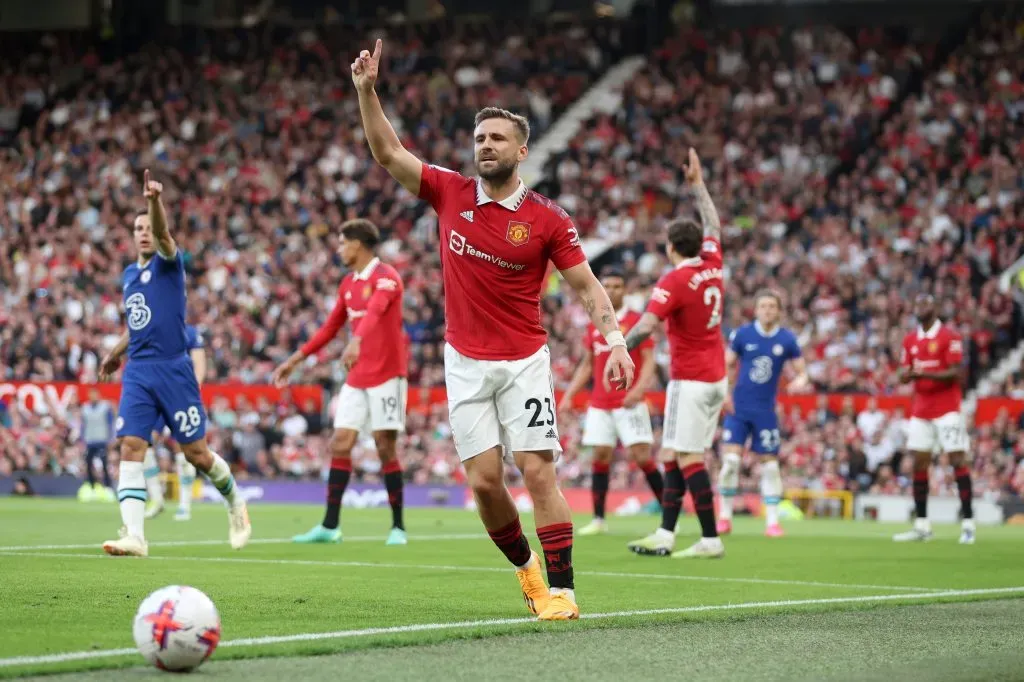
708, 213
619, 369
642, 330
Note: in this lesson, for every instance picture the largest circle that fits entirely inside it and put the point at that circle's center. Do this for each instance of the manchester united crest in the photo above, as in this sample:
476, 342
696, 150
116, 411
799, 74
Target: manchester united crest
518, 233
933, 347
367, 290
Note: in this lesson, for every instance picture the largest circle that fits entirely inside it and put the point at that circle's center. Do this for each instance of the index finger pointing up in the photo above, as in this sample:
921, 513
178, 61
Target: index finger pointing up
377, 48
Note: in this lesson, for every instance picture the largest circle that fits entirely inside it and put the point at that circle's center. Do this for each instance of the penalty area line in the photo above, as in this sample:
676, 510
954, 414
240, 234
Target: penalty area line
426, 627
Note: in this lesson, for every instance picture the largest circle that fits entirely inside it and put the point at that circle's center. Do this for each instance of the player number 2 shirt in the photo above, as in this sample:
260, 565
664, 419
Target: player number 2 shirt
690, 298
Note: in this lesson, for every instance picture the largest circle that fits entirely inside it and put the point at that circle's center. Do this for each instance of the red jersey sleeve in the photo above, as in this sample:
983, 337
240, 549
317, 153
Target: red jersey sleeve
564, 248
386, 290
954, 351
905, 359
434, 183
663, 300
330, 328
711, 251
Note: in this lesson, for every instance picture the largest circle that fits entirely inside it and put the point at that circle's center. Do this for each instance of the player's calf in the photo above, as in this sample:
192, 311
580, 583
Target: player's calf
131, 497
186, 479
154, 487
554, 529
728, 484
219, 474
391, 467
497, 510
771, 495
641, 454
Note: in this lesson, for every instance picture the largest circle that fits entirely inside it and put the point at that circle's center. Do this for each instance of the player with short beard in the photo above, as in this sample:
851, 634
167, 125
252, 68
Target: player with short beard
497, 237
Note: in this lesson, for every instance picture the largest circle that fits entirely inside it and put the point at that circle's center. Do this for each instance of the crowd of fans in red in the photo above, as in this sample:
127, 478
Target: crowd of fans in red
835, 186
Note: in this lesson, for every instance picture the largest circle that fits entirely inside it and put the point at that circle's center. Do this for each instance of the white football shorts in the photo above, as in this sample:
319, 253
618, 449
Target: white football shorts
605, 428
692, 409
378, 408
947, 433
501, 402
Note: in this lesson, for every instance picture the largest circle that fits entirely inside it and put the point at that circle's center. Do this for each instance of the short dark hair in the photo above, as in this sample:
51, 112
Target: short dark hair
770, 293
520, 122
612, 271
361, 230
686, 237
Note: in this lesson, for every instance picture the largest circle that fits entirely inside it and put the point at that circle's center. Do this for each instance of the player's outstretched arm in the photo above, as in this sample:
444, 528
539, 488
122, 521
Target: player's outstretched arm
705, 206
112, 361
597, 304
323, 336
580, 377
158, 217
642, 330
385, 146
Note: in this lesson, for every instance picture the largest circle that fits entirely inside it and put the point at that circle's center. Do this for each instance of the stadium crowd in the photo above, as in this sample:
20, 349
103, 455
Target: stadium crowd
836, 187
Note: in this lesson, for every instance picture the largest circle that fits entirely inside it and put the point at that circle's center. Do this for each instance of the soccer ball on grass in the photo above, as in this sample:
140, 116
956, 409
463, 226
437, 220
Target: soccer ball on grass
176, 628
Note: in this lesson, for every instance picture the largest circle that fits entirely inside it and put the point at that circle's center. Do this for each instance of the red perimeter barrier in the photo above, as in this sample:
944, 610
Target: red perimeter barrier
35, 395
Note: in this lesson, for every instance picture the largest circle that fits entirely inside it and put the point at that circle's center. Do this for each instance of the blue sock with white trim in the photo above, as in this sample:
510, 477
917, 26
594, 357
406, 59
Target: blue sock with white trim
131, 495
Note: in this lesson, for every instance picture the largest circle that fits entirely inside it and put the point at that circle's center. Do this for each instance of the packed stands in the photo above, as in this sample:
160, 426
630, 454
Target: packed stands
851, 170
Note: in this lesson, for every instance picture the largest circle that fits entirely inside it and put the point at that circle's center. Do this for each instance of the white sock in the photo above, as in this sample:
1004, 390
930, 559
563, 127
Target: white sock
967, 524
728, 481
221, 478
771, 491
186, 477
131, 494
151, 470
571, 594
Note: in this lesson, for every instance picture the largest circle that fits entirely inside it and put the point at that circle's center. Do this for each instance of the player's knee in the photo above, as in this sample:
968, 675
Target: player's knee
603, 455
770, 468
539, 476
922, 461
133, 449
342, 442
387, 444
730, 463
641, 453
689, 458
197, 453
487, 484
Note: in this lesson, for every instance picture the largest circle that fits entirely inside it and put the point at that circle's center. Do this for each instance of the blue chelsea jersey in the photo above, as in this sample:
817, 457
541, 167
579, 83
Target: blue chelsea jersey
193, 339
761, 357
154, 301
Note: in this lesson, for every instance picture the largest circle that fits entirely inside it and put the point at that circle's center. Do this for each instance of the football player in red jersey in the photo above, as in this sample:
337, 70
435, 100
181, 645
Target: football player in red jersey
374, 394
614, 416
932, 358
689, 298
497, 237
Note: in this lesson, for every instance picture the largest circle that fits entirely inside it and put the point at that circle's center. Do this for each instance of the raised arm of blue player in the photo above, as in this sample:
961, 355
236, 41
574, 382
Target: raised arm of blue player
151, 189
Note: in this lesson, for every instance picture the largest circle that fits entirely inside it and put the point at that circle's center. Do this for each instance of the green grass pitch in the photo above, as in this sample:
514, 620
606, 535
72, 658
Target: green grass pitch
832, 600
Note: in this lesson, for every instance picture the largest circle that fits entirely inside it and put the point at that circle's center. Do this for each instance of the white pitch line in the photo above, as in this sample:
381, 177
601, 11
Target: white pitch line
256, 541
424, 627
494, 569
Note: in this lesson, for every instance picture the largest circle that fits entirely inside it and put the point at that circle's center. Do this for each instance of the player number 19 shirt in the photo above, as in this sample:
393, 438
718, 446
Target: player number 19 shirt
494, 257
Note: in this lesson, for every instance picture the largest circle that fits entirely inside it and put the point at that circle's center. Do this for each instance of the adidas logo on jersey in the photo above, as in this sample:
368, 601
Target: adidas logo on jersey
468, 215
551, 434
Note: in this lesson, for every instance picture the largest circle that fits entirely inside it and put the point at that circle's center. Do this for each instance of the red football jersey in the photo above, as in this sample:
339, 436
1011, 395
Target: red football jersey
494, 257
599, 397
938, 349
372, 299
690, 298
